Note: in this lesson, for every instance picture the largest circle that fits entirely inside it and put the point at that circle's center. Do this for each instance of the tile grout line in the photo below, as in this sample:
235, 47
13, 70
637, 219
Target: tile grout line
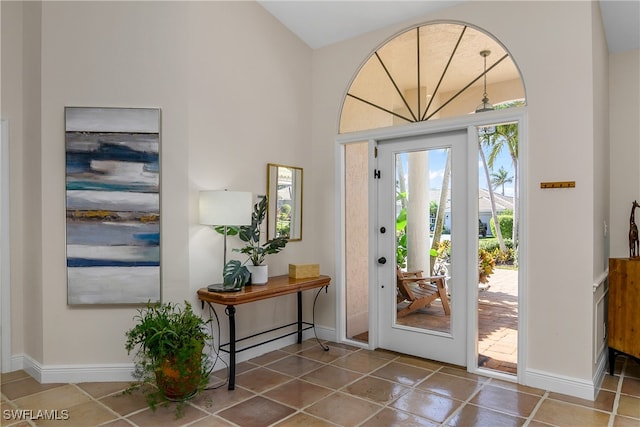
533, 413
616, 400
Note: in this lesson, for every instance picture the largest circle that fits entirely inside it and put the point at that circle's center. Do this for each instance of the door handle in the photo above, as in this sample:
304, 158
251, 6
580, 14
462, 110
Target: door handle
382, 260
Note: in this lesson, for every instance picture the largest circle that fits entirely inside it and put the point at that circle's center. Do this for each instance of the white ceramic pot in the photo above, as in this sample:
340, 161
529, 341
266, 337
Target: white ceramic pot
259, 274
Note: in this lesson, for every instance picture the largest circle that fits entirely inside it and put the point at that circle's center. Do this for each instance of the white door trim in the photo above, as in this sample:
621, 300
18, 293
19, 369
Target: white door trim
5, 254
426, 128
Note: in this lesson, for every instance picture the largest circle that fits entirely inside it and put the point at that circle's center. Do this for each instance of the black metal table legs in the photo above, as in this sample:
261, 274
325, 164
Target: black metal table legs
231, 314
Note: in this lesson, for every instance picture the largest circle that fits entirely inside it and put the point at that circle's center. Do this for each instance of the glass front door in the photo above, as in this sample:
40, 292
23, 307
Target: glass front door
422, 244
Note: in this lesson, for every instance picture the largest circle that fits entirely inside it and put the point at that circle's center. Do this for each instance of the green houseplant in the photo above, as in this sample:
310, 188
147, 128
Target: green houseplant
257, 252
168, 341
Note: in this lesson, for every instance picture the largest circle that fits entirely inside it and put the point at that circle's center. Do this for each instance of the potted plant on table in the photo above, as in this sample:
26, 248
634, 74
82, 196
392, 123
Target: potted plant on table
257, 252
168, 342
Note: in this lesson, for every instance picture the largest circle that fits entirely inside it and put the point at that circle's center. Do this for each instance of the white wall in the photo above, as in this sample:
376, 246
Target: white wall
557, 69
234, 90
625, 145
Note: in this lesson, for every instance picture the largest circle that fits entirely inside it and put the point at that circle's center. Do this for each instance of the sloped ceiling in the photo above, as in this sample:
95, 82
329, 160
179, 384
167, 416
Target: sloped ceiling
321, 23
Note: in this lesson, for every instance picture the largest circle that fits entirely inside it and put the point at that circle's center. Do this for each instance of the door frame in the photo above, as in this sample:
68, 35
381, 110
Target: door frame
5, 254
469, 123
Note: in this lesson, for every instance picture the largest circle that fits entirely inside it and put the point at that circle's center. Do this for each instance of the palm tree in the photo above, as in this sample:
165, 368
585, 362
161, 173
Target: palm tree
507, 136
486, 140
444, 195
500, 178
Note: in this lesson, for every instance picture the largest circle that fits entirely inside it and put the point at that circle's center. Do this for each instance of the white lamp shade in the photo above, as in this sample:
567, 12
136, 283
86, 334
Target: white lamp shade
225, 207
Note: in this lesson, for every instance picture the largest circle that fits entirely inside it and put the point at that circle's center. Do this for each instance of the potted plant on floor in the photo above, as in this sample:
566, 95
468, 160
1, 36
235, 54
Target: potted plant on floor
168, 342
257, 252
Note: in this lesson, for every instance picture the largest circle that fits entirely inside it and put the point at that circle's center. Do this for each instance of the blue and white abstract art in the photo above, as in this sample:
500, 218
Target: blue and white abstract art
113, 205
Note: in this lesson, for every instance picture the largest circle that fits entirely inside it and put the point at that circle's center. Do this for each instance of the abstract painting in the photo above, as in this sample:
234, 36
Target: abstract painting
113, 205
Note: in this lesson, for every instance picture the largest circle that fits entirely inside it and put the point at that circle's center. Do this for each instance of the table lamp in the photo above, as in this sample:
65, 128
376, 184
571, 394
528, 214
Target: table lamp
225, 209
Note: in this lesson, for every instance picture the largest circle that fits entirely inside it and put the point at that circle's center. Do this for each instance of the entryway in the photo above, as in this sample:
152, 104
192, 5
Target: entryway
489, 315
420, 85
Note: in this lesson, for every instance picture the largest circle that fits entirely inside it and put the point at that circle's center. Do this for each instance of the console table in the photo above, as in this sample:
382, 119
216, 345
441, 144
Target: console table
623, 314
275, 287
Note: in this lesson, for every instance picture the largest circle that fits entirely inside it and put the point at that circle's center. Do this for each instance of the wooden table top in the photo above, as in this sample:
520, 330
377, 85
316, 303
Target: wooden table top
276, 286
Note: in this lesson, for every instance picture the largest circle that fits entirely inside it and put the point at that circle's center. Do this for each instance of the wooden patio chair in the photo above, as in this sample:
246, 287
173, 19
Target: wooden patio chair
420, 291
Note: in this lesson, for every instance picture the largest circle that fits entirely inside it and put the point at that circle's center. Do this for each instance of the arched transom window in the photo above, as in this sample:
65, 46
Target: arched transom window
430, 72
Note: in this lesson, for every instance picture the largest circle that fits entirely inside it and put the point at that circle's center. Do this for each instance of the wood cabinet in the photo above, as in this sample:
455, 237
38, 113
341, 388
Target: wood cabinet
623, 309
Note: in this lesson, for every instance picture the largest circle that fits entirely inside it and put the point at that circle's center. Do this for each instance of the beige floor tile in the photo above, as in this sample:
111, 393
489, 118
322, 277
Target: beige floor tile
117, 423
475, 416
392, 417
363, 362
303, 420
427, 405
331, 377
256, 412
610, 382
210, 421
99, 390
294, 365
13, 376
620, 421
270, 357
295, 348
535, 423
298, 393
419, 362
377, 390
86, 414
632, 368
401, 373
504, 400
517, 387
63, 397
629, 406
166, 416
215, 400
317, 353
449, 385
604, 401
631, 386
24, 387
343, 409
566, 414
462, 373
261, 379
125, 404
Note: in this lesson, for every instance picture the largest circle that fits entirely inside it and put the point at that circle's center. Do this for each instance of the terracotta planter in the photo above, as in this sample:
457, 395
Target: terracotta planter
176, 385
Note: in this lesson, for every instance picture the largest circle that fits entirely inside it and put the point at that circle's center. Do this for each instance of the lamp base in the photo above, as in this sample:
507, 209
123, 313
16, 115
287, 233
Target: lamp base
219, 287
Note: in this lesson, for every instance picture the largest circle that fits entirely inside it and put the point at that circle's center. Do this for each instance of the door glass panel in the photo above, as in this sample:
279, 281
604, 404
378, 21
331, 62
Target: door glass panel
498, 247
357, 241
423, 239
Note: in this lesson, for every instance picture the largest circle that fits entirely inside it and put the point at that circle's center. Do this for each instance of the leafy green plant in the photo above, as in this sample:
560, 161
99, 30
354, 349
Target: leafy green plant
168, 341
251, 235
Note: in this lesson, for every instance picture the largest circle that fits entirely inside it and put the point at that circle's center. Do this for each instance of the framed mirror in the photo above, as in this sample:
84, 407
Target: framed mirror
284, 189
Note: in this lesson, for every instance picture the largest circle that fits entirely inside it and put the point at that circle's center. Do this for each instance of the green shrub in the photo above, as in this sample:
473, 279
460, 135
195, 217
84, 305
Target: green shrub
506, 225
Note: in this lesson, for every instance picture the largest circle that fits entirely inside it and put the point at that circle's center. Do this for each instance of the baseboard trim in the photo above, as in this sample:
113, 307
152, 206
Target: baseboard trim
46, 374
576, 387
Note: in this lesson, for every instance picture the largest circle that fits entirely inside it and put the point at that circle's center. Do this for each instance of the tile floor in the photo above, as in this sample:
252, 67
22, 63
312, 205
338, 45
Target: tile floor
301, 385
